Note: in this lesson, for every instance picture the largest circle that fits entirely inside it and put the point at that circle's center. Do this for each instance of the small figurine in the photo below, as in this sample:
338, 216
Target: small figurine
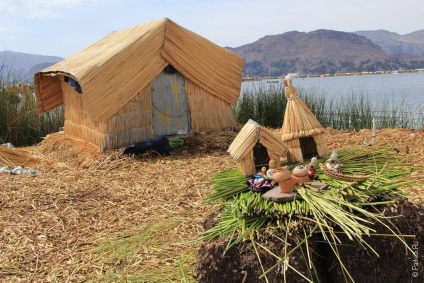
333, 163
259, 182
261, 176
312, 168
270, 171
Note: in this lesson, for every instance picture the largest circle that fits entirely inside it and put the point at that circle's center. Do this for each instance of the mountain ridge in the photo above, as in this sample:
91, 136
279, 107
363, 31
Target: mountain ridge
396, 44
327, 51
23, 66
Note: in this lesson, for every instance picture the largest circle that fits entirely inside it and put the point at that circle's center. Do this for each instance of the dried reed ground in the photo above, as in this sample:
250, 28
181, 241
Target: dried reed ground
52, 224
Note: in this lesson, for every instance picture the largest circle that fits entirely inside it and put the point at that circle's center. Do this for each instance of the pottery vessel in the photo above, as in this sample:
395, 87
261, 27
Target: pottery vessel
281, 174
302, 173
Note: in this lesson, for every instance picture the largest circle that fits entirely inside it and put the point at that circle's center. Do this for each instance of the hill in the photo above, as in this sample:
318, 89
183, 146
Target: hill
317, 52
417, 35
328, 51
409, 46
23, 66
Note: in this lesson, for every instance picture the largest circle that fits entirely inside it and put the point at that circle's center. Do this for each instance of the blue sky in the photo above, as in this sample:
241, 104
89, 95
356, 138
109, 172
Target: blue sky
64, 27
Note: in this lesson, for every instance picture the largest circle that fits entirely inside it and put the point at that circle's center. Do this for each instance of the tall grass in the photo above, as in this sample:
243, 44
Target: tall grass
20, 122
263, 105
352, 111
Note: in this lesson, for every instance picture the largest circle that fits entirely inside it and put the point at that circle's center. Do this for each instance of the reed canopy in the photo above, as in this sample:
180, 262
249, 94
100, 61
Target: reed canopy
301, 130
153, 79
255, 145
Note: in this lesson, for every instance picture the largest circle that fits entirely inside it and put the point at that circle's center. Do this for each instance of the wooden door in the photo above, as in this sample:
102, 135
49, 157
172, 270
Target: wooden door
170, 112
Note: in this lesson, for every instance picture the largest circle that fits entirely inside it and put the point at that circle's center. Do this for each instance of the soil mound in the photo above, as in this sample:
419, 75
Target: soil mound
394, 263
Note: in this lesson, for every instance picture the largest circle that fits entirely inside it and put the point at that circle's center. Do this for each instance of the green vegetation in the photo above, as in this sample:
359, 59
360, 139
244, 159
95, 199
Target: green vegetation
350, 206
20, 122
266, 105
263, 105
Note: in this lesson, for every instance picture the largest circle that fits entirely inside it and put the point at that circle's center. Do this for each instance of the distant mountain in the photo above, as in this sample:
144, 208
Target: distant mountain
417, 35
24, 65
406, 46
316, 52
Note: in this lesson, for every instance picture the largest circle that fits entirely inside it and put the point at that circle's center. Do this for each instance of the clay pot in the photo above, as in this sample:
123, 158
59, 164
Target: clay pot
281, 174
286, 180
301, 172
288, 185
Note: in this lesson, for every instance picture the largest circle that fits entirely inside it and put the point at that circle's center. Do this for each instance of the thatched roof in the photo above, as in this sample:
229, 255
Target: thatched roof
114, 69
299, 121
250, 135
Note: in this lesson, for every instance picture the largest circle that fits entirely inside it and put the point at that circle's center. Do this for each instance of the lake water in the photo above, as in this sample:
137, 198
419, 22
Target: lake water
407, 86
401, 88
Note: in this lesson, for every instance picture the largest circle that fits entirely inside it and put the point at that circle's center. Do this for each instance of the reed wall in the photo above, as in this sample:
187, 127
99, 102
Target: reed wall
247, 165
130, 124
321, 143
51, 86
294, 153
208, 112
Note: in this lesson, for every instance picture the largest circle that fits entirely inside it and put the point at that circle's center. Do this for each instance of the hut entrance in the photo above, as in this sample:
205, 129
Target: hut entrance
308, 147
260, 154
170, 113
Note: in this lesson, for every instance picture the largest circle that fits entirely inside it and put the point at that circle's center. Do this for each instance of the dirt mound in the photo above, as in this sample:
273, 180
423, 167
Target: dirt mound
394, 263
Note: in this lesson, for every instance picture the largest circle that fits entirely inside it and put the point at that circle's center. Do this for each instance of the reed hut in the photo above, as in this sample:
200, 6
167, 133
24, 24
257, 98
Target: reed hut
301, 130
150, 80
255, 146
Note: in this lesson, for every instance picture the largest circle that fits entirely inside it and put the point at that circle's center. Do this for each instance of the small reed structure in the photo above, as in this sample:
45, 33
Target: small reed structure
153, 79
248, 143
301, 130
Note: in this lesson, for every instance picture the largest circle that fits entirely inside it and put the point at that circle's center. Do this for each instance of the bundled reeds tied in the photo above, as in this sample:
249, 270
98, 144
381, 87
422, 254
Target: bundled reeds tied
241, 149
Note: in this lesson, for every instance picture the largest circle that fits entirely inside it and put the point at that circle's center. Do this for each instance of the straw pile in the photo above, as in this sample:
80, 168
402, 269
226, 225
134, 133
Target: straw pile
13, 157
299, 121
73, 223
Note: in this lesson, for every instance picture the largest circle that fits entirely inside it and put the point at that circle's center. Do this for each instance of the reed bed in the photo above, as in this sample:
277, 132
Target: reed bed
20, 122
263, 105
351, 111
